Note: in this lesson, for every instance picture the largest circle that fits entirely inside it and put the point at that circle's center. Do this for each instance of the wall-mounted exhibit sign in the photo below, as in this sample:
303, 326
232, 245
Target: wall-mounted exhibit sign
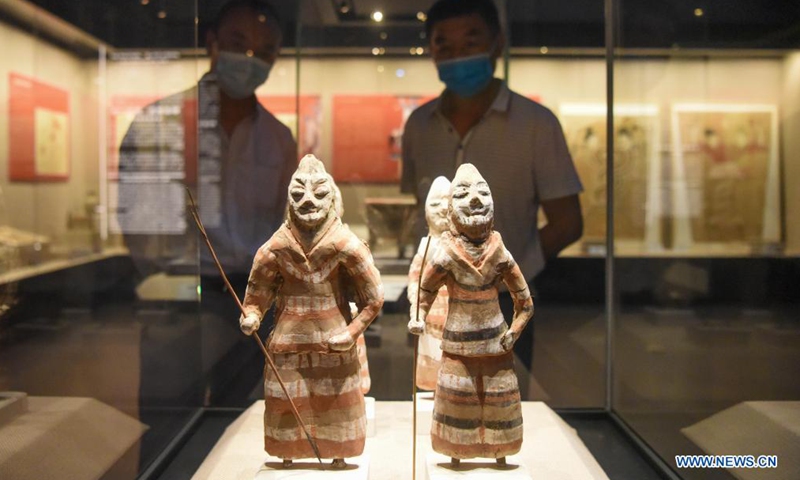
637, 170
38, 131
367, 134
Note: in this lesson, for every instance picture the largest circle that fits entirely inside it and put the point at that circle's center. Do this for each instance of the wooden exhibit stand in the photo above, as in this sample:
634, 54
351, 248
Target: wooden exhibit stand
550, 449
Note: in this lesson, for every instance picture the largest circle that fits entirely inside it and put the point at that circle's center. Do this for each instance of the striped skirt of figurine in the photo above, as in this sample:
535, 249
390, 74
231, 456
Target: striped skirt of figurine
476, 409
326, 389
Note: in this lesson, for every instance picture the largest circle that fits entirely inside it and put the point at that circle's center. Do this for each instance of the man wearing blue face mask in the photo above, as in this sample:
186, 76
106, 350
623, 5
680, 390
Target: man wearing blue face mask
516, 144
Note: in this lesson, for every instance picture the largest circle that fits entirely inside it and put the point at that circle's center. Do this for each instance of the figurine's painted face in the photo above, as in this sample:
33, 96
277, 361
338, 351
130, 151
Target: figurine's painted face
471, 203
311, 195
436, 207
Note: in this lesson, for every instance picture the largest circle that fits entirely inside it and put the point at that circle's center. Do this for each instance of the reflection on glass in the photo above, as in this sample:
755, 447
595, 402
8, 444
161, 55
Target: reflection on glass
706, 335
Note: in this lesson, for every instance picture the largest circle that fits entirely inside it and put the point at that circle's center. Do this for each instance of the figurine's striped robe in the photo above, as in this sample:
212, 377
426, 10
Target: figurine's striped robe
477, 410
429, 353
311, 291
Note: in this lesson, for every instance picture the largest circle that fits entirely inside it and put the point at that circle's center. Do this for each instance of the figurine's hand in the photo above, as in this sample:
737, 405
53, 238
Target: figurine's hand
341, 342
507, 340
416, 327
249, 324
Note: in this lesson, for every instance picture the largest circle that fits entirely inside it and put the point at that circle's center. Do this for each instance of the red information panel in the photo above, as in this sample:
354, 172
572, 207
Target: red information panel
367, 131
38, 131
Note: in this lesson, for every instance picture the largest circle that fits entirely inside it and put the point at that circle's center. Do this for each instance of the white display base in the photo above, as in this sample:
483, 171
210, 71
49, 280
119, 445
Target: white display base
357, 469
424, 412
438, 467
550, 448
369, 403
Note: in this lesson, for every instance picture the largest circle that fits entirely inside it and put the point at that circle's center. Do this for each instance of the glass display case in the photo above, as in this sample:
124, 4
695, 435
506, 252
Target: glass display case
673, 319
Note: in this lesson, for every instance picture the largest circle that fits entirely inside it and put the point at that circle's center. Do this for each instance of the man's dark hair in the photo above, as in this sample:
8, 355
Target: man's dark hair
258, 6
444, 9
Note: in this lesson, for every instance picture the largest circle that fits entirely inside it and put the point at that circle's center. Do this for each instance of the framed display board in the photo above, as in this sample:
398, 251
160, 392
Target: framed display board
38, 136
637, 171
726, 175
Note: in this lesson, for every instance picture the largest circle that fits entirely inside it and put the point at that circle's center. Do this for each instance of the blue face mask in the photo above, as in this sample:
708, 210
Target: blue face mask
466, 76
239, 75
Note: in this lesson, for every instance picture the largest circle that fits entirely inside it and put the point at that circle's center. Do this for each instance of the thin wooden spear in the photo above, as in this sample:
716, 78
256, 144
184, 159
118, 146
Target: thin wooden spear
414, 374
202, 229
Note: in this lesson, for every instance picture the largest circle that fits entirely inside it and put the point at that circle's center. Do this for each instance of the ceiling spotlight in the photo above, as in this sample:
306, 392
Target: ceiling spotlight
262, 18
162, 14
377, 16
144, 2
544, 50
344, 6
421, 16
420, 50
412, 51
376, 51
384, 35
400, 73
380, 68
698, 12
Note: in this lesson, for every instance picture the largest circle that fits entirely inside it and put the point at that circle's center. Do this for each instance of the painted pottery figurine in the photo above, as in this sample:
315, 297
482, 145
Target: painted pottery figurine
361, 342
477, 411
309, 269
429, 355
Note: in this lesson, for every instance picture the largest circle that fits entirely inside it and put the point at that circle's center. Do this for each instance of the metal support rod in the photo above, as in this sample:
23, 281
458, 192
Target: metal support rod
610, 39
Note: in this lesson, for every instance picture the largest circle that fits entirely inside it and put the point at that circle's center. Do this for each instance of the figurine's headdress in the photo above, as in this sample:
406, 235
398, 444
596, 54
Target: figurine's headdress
311, 165
436, 206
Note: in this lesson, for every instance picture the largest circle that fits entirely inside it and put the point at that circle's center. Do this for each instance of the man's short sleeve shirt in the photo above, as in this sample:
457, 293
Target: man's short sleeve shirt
519, 148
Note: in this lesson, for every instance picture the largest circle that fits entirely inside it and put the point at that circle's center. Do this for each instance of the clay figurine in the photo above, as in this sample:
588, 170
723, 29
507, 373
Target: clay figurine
477, 411
309, 268
361, 342
429, 355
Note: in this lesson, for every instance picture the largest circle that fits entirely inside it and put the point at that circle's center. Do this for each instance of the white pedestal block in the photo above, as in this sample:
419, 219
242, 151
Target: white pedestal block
550, 450
424, 412
306, 469
369, 403
438, 467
